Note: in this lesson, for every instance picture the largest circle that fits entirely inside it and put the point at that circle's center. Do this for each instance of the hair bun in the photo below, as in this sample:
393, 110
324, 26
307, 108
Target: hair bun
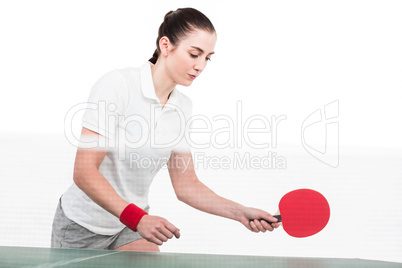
168, 14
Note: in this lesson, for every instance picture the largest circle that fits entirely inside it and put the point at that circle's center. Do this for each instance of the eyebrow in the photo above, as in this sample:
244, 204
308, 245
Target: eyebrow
202, 51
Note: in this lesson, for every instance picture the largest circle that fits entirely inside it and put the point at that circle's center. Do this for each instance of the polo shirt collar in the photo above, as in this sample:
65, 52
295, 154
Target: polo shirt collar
147, 86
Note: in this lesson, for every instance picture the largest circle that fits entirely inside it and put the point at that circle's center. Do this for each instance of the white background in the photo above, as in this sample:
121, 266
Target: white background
278, 58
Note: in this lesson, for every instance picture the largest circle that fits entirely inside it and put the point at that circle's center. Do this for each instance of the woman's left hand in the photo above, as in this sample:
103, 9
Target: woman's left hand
250, 219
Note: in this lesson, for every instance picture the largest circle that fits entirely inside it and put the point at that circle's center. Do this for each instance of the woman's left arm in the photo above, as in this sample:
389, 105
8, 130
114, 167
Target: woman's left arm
193, 192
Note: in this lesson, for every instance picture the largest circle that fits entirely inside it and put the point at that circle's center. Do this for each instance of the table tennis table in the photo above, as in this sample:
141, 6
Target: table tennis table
24, 257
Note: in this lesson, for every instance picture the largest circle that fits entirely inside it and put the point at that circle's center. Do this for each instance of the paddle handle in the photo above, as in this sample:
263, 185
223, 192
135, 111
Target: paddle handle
278, 217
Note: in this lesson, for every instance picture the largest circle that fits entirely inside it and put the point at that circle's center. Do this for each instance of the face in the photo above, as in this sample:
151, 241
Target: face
188, 59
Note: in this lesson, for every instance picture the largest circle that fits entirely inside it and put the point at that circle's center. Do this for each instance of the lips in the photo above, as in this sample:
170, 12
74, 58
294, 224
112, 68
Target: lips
192, 76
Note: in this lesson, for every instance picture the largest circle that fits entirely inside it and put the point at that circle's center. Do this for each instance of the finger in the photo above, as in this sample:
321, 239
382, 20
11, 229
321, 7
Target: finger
155, 240
259, 226
267, 226
161, 237
177, 233
253, 227
275, 225
165, 232
270, 218
173, 229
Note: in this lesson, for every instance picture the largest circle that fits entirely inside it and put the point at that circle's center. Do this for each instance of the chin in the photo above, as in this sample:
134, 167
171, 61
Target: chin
186, 83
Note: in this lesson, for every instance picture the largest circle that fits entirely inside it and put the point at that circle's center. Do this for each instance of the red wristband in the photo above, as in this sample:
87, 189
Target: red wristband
131, 216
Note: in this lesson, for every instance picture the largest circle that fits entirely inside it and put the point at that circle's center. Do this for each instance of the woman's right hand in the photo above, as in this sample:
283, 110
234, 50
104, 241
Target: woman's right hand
157, 229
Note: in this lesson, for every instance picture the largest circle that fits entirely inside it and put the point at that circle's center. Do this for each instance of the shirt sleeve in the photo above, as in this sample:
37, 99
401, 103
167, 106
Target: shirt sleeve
107, 101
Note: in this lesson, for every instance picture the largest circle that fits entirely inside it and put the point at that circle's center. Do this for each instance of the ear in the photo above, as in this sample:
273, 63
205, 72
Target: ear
165, 45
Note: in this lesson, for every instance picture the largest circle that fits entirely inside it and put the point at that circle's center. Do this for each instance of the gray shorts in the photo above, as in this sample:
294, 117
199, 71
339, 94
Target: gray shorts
68, 234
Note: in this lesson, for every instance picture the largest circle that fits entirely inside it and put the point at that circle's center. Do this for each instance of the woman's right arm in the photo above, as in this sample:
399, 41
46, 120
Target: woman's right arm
88, 178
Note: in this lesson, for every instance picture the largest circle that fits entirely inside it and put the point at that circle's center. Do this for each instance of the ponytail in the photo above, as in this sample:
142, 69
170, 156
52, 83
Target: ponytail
154, 57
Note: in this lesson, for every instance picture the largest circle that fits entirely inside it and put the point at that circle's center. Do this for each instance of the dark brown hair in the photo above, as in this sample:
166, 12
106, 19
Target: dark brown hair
177, 24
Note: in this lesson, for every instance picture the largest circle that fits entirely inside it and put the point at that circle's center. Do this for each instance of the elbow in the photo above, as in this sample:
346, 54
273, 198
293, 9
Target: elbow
84, 177
180, 196
79, 177
185, 191
182, 193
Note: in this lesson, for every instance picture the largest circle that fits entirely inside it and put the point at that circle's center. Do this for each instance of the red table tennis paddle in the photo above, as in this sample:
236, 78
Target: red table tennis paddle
303, 212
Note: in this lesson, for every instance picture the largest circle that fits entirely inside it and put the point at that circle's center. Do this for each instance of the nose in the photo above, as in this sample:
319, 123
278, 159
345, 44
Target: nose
200, 64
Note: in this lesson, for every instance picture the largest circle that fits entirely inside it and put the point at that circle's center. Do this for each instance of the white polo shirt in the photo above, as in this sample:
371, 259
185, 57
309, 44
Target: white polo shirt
139, 137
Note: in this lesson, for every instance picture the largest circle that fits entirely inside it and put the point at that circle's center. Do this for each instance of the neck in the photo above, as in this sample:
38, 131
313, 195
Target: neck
162, 83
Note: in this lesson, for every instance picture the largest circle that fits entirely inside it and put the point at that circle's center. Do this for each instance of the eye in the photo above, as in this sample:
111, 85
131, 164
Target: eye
208, 59
193, 55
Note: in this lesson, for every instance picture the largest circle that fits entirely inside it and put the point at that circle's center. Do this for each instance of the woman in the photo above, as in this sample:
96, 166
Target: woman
142, 118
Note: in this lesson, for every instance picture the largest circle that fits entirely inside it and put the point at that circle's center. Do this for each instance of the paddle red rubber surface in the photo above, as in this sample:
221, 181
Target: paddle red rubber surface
304, 212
